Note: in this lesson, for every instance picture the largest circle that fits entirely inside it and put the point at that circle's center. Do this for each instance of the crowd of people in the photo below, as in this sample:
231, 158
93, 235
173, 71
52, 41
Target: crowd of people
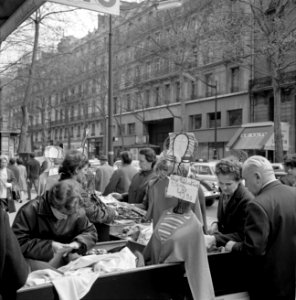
256, 215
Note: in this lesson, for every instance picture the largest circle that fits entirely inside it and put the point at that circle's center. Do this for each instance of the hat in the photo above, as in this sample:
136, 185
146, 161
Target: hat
103, 157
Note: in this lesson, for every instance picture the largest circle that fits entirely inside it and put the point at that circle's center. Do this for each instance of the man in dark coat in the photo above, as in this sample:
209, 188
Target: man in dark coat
270, 233
122, 177
13, 268
231, 212
33, 171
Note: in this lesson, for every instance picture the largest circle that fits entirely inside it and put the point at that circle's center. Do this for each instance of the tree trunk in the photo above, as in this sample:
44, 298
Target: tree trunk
278, 141
24, 140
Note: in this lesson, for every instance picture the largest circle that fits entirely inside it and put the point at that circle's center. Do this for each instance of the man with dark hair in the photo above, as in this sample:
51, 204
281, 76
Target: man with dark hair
122, 177
290, 167
33, 170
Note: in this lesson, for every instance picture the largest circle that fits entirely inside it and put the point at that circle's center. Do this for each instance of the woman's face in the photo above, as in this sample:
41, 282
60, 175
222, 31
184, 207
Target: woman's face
227, 184
3, 163
144, 164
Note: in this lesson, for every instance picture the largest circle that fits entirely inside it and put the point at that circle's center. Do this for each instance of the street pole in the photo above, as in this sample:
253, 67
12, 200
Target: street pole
215, 156
110, 98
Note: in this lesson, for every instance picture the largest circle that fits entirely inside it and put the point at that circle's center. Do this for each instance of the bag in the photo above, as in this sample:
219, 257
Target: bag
15, 195
10, 203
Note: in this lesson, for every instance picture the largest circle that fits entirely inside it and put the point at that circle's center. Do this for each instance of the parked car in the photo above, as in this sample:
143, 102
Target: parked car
211, 193
279, 170
205, 171
94, 164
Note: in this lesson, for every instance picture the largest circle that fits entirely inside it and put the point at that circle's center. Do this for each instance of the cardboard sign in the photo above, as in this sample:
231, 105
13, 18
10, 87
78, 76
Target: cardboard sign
183, 188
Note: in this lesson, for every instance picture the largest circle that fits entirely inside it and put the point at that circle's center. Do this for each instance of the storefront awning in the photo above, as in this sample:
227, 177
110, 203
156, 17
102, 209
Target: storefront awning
247, 138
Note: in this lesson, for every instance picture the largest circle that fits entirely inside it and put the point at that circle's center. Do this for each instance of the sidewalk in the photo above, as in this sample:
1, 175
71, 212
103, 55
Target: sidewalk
18, 205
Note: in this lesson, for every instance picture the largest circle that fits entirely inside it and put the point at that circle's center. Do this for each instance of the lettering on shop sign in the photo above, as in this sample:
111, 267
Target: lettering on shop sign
253, 134
183, 188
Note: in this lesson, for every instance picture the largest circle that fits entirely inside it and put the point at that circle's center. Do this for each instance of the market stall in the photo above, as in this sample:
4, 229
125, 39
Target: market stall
165, 281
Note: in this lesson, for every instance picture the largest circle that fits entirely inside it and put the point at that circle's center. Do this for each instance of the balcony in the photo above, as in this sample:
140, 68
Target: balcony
266, 82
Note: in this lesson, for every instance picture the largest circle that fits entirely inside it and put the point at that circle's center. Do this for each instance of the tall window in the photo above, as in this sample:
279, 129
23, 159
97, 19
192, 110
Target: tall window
211, 120
131, 128
128, 102
167, 91
157, 96
195, 121
121, 129
234, 79
147, 98
209, 82
93, 129
178, 91
193, 90
235, 117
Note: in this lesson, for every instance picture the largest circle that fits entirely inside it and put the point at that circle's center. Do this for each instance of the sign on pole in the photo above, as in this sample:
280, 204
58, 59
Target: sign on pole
183, 188
103, 6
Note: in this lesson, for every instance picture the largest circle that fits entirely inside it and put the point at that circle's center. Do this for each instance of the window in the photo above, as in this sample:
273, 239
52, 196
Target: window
234, 79
115, 106
195, 121
167, 90
235, 117
209, 82
93, 129
72, 131
193, 90
211, 120
178, 91
78, 131
128, 102
147, 98
121, 130
157, 96
131, 129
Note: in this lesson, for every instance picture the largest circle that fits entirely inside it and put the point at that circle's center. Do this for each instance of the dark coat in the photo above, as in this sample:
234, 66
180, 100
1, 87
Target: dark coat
121, 180
138, 187
35, 227
270, 242
13, 267
231, 221
33, 169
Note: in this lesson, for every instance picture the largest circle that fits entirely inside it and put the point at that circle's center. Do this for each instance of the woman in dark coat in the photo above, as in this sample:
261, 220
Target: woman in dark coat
231, 213
13, 268
52, 227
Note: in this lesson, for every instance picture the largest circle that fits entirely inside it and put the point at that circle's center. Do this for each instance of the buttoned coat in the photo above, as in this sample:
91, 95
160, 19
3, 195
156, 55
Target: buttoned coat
270, 242
231, 220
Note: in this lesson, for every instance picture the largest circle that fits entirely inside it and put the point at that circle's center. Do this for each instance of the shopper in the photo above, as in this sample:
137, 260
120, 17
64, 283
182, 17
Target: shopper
23, 178
33, 170
270, 233
103, 174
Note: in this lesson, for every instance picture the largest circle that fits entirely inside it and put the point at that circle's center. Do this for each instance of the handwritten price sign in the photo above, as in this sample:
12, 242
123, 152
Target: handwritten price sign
183, 188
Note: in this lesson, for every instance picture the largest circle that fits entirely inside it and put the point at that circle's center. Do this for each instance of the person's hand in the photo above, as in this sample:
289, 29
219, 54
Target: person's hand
210, 241
72, 256
117, 196
229, 246
60, 247
213, 228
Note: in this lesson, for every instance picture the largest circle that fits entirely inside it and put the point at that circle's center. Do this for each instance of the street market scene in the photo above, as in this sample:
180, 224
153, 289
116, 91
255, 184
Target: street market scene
148, 149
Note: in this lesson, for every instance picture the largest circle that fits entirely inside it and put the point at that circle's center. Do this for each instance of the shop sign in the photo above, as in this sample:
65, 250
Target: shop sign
104, 6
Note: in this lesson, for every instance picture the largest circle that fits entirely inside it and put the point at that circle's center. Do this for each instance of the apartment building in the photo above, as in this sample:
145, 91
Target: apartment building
172, 71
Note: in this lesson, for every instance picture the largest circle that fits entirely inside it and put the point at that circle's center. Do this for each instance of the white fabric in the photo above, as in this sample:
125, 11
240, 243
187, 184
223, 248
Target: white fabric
73, 281
4, 184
